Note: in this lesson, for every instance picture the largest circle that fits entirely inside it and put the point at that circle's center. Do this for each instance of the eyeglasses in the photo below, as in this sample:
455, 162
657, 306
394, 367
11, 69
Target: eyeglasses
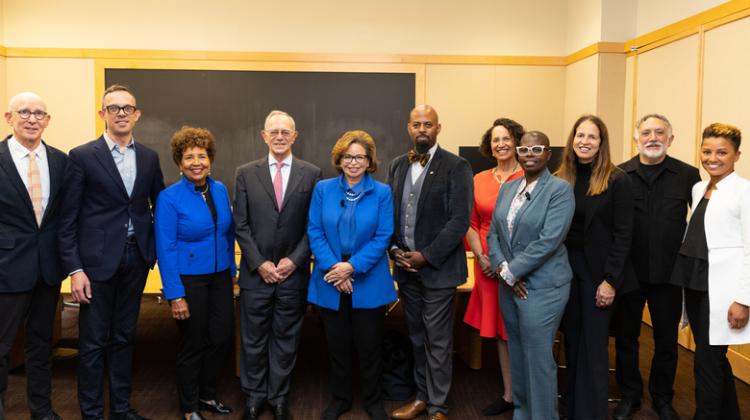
534, 150
25, 114
283, 133
115, 109
354, 158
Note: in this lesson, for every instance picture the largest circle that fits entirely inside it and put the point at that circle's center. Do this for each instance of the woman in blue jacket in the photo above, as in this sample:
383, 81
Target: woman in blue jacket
350, 227
195, 250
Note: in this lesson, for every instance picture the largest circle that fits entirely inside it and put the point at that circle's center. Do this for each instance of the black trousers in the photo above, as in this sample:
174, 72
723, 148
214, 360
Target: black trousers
350, 329
271, 323
429, 316
715, 394
36, 309
586, 329
204, 337
665, 307
106, 336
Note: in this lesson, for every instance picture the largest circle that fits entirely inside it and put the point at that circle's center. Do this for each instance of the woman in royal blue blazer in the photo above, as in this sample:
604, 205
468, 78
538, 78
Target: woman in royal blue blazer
350, 227
195, 249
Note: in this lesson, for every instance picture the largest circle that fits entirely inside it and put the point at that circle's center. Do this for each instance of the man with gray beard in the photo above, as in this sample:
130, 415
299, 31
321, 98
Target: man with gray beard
662, 188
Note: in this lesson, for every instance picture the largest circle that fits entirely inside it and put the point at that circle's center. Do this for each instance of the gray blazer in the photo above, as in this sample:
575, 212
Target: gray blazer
443, 217
535, 252
263, 232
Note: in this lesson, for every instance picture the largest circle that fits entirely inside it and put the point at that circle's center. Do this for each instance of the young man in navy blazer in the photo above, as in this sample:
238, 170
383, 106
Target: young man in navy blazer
107, 242
433, 192
31, 175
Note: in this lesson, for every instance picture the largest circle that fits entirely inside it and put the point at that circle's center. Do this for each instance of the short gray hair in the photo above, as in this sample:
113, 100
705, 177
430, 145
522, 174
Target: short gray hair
277, 113
658, 117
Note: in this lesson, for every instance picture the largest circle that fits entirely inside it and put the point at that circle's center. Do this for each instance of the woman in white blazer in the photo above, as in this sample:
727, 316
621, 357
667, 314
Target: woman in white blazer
713, 267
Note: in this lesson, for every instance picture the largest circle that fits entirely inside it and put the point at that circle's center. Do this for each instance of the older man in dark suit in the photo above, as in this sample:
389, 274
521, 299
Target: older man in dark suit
432, 196
31, 175
272, 199
106, 239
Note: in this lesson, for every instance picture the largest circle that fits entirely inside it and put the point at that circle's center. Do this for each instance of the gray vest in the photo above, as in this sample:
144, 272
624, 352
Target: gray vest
409, 201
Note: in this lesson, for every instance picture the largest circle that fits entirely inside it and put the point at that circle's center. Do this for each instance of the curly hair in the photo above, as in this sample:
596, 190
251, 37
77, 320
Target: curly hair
360, 137
187, 137
515, 129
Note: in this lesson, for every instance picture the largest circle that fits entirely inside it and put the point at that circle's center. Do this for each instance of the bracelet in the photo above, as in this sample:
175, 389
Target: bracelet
179, 299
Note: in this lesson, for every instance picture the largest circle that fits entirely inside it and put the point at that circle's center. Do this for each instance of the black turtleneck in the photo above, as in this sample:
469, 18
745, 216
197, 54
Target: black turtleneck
580, 189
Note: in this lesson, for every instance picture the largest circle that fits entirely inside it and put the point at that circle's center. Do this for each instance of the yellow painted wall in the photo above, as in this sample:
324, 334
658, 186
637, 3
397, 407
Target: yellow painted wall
581, 80
726, 87
496, 27
653, 15
67, 87
667, 84
584, 24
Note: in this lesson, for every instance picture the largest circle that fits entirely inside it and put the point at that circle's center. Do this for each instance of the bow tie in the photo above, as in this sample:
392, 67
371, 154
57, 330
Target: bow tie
422, 158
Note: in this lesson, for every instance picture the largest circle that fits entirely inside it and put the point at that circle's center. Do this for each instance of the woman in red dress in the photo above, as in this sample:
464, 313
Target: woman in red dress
483, 311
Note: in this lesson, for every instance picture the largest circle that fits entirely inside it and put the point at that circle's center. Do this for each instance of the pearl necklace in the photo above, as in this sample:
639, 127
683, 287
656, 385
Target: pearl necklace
351, 196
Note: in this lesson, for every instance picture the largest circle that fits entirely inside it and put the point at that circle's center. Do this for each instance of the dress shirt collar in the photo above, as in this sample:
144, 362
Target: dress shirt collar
272, 161
19, 151
111, 143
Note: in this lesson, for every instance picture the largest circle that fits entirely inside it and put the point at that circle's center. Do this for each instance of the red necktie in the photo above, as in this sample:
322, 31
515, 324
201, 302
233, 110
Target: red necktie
278, 185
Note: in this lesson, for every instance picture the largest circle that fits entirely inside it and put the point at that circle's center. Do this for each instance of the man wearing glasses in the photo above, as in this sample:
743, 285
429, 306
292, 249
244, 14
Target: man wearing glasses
107, 246
272, 198
30, 274
433, 192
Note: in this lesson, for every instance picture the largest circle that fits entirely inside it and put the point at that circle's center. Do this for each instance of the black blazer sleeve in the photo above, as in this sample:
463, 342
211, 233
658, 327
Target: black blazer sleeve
622, 227
69, 208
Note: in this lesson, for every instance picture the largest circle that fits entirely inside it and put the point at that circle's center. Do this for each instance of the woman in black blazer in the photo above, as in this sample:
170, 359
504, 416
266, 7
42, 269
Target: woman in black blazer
598, 244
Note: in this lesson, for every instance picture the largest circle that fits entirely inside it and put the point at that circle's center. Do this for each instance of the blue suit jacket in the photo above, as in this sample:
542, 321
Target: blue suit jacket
96, 208
535, 252
373, 285
186, 242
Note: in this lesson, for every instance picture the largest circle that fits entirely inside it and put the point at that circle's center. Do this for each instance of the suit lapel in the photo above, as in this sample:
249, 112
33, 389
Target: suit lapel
592, 202
54, 162
295, 176
104, 156
542, 183
503, 207
140, 169
429, 177
264, 178
6, 161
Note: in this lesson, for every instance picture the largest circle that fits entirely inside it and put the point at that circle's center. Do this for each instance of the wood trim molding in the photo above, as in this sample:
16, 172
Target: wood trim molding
594, 49
3, 52
716, 16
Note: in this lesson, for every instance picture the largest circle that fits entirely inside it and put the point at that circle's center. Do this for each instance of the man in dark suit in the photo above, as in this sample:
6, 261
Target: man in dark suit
31, 175
432, 197
272, 198
107, 246
662, 188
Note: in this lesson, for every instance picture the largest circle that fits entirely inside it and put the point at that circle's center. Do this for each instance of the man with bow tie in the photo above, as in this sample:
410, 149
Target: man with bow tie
31, 174
432, 197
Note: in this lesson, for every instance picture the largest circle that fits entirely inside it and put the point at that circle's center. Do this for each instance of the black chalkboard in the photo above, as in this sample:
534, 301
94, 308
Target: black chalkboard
234, 104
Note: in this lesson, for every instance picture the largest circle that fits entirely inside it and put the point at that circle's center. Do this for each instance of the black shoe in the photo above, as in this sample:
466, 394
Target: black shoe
281, 412
215, 406
49, 416
252, 413
666, 412
335, 409
625, 409
377, 412
194, 416
497, 407
129, 415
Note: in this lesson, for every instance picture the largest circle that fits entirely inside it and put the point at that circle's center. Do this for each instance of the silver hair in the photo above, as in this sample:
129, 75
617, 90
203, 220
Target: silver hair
658, 117
277, 113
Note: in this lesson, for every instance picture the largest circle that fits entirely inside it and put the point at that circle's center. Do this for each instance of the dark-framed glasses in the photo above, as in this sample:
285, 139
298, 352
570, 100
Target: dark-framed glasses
115, 109
354, 158
533, 150
25, 114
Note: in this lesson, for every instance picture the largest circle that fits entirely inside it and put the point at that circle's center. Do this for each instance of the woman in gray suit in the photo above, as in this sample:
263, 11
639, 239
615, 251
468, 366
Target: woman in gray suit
531, 220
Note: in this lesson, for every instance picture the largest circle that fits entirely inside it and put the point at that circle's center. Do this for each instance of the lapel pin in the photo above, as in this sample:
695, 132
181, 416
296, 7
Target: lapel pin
432, 172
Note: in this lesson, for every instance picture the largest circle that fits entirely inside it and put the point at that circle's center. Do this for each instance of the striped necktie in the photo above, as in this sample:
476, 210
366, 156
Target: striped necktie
35, 188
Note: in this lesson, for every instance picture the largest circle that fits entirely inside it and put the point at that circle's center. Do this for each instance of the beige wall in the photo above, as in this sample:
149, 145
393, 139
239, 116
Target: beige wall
581, 81
495, 27
67, 87
667, 84
470, 98
726, 87
618, 20
611, 100
653, 15
584, 24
